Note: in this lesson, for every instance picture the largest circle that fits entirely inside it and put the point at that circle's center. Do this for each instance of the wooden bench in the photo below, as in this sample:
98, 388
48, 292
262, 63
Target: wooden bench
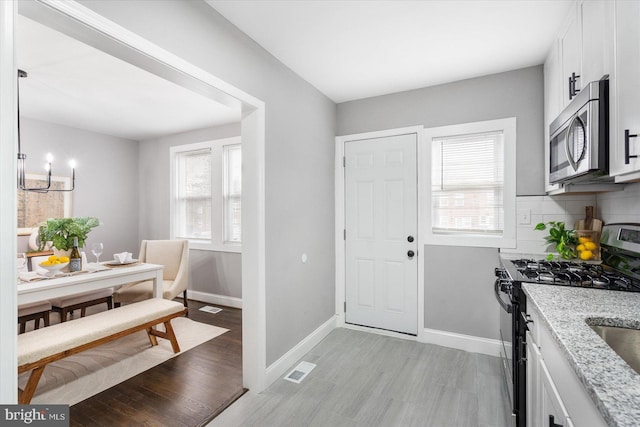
38, 348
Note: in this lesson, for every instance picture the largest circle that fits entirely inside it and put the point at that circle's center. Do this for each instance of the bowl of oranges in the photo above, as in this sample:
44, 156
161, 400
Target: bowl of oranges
588, 247
54, 264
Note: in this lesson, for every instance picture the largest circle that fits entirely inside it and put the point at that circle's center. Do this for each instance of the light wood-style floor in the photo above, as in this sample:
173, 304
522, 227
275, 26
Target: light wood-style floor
364, 379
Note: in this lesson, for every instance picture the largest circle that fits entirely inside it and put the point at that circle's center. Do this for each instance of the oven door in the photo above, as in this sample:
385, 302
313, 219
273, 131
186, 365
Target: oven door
502, 289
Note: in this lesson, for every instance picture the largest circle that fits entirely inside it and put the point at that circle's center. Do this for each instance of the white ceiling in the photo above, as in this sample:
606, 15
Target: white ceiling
358, 49
73, 84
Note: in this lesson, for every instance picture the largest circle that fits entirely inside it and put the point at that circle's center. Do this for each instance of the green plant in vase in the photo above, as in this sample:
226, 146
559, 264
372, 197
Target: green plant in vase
61, 231
564, 239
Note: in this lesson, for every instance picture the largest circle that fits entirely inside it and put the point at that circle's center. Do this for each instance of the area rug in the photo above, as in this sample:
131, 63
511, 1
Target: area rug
78, 377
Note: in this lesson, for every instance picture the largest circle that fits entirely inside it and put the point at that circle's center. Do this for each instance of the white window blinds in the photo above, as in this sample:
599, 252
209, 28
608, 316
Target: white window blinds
206, 192
232, 193
193, 195
468, 184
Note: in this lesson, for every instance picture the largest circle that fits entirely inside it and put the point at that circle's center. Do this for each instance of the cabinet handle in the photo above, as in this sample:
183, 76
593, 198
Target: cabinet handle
627, 156
552, 423
572, 85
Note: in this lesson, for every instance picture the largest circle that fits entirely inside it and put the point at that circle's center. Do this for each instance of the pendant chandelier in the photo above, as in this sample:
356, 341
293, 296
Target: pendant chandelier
22, 181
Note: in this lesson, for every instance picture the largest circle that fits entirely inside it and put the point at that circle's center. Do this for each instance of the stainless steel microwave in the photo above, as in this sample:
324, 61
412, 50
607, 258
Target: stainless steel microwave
579, 137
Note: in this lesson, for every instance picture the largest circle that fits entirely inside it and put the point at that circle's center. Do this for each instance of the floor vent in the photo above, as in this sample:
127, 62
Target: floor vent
209, 309
300, 372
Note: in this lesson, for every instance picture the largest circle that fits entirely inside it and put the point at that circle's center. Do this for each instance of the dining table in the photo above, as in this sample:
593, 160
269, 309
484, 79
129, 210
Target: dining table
86, 281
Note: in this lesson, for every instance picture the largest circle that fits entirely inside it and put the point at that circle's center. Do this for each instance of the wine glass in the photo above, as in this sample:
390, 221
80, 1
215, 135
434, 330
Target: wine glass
96, 250
22, 261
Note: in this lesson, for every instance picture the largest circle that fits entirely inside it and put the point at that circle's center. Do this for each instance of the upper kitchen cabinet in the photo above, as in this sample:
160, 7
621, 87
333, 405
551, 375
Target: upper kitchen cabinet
624, 146
597, 40
585, 43
570, 42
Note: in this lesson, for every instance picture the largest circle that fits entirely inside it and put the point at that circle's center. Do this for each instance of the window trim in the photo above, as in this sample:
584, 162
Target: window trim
217, 242
508, 238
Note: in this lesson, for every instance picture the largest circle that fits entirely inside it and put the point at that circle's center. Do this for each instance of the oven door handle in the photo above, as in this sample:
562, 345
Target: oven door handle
496, 289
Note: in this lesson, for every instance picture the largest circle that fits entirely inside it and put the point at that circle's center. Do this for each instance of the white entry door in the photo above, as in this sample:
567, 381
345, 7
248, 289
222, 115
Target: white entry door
381, 224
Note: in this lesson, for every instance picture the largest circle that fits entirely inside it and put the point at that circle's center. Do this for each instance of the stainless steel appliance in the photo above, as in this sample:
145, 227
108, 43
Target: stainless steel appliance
579, 137
619, 271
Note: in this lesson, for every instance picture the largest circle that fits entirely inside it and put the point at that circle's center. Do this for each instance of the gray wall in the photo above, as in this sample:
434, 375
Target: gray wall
459, 299
300, 131
106, 178
455, 299
516, 93
212, 272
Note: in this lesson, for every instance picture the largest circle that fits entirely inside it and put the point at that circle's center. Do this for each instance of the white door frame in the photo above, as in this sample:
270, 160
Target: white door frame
340, 226
104, 34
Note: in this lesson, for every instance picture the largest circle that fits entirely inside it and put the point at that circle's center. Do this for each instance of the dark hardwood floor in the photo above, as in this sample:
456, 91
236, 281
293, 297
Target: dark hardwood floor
187, 390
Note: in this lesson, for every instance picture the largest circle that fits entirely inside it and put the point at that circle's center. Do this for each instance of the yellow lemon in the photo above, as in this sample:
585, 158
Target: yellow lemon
45, 263
53, 258
584, 239
585, 255
63, 259
589, 246
581, 248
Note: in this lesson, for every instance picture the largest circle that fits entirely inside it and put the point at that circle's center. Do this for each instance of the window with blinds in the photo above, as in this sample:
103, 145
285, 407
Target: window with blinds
207, 194
467, 184
193, 202
232, 193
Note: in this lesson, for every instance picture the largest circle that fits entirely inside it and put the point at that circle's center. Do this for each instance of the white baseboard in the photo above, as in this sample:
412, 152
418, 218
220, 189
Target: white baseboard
469, 343
214, 299
286, 362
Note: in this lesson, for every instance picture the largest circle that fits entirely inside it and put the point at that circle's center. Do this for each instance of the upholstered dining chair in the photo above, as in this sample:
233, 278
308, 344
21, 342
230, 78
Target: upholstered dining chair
174, 256
68, 304
33, 311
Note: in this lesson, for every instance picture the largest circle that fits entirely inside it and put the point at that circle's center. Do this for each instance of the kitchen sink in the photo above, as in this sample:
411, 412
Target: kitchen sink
624, 341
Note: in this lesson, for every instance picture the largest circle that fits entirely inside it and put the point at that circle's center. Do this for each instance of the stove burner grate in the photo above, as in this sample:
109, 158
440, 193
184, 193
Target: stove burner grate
567, 273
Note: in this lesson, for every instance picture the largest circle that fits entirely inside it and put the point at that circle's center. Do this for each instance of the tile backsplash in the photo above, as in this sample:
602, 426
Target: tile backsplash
620, 206
566, 208
611, 207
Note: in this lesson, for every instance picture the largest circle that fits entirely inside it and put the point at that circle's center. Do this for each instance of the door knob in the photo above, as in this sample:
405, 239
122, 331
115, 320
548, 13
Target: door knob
411, 254
410, 239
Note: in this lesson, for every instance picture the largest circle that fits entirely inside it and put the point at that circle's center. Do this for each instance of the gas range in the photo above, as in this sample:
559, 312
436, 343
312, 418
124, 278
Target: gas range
565, 273
618, 271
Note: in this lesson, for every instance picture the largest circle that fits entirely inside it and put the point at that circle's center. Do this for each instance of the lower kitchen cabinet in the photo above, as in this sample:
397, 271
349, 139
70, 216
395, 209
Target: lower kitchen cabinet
555, 396
552, 410
544, 404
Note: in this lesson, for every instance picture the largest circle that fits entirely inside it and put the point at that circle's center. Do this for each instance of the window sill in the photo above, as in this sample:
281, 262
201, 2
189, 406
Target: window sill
216, 248
471, 240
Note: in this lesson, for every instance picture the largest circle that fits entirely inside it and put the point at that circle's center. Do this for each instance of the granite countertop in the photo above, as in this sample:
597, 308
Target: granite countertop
610, 382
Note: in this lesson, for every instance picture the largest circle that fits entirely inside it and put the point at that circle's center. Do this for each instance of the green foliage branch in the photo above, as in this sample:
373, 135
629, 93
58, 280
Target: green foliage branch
564, 239
61, 231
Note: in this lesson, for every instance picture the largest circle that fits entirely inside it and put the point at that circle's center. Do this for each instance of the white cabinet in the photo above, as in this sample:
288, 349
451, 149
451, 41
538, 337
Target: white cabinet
534, 409
553, 389
544, 404
570, 41
552, 410
597, 40
624, 145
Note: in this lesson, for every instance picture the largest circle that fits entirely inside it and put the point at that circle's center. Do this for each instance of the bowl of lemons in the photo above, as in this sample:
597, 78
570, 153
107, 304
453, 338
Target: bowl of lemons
54, 264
